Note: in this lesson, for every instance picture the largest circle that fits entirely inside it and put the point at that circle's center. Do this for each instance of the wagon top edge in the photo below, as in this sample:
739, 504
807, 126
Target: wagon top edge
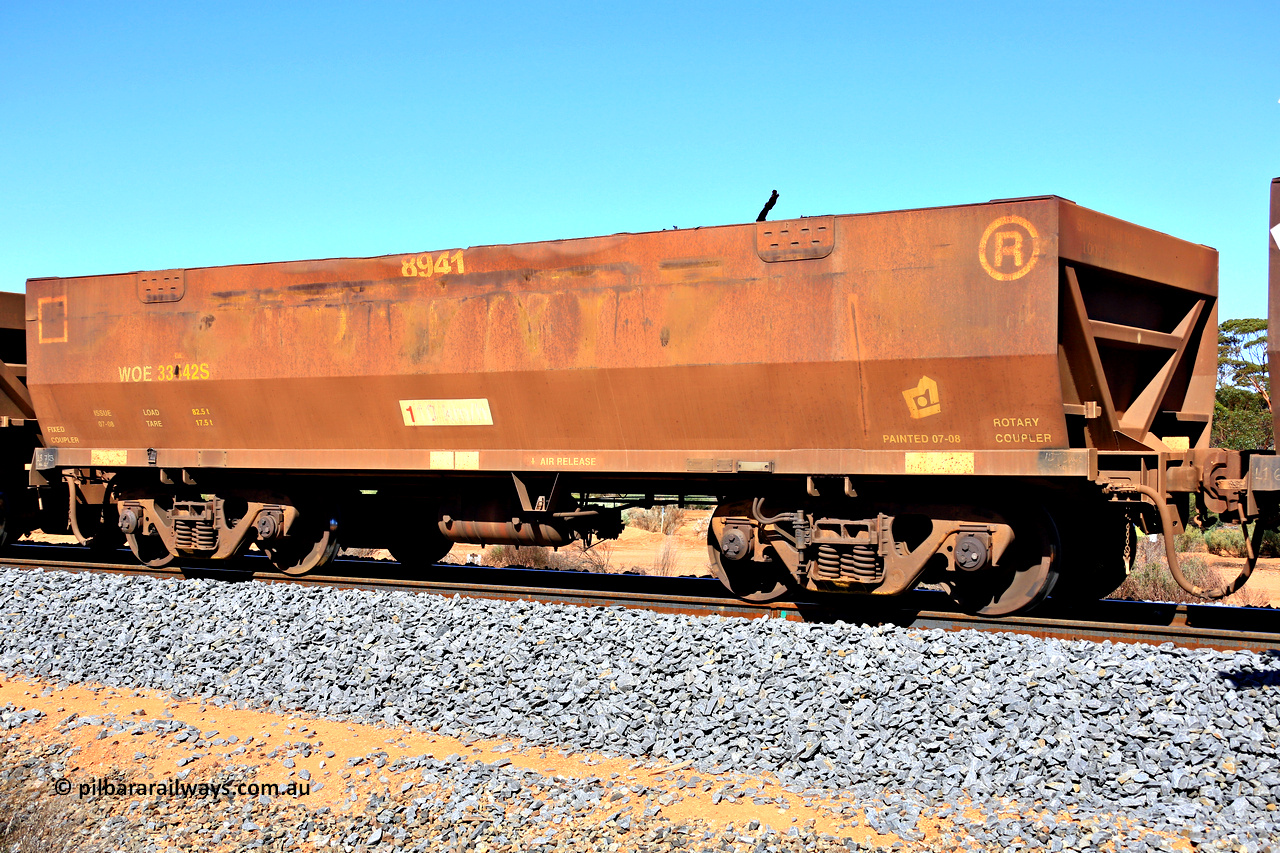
1077, 227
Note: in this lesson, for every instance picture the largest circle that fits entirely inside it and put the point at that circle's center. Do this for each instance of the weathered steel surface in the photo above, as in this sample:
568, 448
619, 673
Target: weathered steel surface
15, 402
13, 311
921, 341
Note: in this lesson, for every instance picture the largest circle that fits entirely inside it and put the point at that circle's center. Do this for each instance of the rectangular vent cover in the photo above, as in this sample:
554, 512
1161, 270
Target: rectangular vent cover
162, 286
796, 239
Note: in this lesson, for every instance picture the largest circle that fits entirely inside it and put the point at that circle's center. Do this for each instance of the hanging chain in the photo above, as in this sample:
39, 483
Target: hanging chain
1128, 547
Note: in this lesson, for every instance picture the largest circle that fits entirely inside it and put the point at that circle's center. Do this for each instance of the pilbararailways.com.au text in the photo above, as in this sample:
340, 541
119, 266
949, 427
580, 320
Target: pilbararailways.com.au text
176, 789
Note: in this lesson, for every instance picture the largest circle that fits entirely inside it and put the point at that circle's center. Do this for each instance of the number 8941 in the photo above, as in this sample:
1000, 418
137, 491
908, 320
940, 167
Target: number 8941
423, 265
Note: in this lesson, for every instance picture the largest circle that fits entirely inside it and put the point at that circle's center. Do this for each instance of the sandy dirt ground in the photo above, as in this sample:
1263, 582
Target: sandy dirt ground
1263, 587
272, 745
339, 766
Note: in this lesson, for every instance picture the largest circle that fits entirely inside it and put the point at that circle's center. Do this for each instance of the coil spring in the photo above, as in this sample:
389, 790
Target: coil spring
195, 536
828, 563
861, 563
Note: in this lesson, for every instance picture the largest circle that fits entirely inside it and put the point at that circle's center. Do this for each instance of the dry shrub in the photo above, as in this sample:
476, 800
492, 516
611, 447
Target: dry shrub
1228, 541
1270, 544
526, 556
1149, 549
361, 553
31, 824
34, 819
575, 559
596, 558
1151, 580
1250, 596
1225, 541
664, 562
501, 556
1190, 541
658, 519
701, 526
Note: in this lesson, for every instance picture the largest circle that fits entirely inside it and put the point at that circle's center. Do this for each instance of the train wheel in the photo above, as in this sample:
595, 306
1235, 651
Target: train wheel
1093, 565
413, 525
309, 545
150, 550
423, 551
1026, 573
94, 524
747, 578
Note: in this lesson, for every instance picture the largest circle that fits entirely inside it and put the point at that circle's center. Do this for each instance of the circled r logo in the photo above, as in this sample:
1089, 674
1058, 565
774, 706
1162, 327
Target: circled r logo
1009, 249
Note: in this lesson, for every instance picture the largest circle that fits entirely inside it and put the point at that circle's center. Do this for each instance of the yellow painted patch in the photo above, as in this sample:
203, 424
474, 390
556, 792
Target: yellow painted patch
1009, 248
424, 265
446, 412
51, 319
1177, 442
939, 463
109, 457
923, 400
442, 459
467, 460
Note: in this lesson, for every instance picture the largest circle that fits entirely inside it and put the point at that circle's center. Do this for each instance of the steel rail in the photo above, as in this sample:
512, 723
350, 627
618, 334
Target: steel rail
1188, 625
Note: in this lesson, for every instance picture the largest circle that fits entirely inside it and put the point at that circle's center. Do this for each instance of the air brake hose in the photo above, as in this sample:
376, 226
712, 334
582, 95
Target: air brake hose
1171, 551
757, 511
796, 519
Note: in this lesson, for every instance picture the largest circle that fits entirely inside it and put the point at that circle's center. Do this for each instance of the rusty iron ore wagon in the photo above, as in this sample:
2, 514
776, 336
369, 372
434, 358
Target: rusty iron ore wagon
984, 396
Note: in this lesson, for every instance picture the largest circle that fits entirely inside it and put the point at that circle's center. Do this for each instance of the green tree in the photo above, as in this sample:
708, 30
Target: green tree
1242, 357
1242, 404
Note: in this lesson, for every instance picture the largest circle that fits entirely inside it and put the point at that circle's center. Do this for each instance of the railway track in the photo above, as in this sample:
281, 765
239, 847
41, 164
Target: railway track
1194, 625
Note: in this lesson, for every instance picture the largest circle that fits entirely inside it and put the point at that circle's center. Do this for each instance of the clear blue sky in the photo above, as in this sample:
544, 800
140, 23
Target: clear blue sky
159, 135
